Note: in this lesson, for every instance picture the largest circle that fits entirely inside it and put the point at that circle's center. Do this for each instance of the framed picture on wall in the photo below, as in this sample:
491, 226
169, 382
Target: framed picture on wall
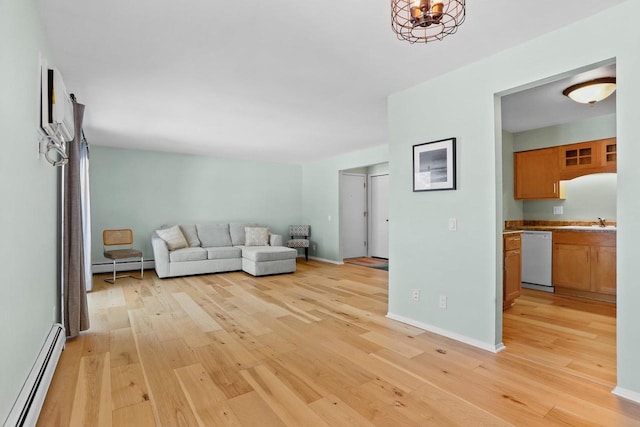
434, 165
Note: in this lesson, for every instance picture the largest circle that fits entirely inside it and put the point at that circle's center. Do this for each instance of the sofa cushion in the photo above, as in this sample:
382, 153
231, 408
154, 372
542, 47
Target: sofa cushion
223, 252
190, 233
268, 253
214, 235
173, 237
256, 236
188, 254
236, 229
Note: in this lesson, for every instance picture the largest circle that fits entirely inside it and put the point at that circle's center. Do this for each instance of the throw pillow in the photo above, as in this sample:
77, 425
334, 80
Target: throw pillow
256, 236
214, 234
174, 238
190, 234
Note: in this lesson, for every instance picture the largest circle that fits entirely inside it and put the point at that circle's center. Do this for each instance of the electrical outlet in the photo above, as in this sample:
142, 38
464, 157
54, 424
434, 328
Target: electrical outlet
314, 248
442, 301
415, 294
328, 217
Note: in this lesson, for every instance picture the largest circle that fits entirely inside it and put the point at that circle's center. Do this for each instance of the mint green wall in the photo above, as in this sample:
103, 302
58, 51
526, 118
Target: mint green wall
379, 169
512, 209
568, 133
464, 265
321, 197
28, 289
587, 198
144, 189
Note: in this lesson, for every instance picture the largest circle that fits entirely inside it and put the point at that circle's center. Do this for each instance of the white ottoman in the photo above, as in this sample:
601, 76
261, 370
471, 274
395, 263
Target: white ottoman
264, 260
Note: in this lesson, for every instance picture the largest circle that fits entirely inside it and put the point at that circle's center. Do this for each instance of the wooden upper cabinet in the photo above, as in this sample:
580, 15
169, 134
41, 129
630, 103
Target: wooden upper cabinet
536, 174
609, 154
587, 158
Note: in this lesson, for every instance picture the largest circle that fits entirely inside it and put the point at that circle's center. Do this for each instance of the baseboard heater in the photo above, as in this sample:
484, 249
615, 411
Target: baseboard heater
27, 408
107, 267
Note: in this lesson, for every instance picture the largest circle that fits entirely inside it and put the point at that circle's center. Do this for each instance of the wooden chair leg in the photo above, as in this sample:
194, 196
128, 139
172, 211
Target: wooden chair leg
306, 254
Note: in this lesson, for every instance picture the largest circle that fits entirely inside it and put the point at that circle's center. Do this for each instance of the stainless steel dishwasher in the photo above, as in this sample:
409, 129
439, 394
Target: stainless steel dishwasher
536, 260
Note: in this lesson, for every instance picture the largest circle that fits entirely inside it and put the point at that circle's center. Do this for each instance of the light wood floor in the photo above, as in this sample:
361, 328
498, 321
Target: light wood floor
314, 349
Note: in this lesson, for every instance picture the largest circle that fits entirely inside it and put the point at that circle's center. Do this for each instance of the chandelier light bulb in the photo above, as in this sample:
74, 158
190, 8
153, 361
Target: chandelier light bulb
426, 20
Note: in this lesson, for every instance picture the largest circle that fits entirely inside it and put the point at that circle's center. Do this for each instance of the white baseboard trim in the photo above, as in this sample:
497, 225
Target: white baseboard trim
627, 394
458, 337
330, 261
121, 266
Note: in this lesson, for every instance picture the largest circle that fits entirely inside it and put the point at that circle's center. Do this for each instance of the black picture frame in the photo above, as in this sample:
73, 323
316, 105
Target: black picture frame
434, 165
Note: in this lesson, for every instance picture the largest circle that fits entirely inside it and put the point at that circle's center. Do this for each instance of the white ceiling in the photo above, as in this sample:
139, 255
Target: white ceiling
545, 105
280, 80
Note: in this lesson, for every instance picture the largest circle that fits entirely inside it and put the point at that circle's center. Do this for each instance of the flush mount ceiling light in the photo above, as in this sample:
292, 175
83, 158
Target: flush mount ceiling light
592, 91
426, 20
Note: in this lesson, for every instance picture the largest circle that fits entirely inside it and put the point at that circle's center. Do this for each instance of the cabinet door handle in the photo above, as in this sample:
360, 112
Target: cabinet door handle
554, 188
597, 256
587, 257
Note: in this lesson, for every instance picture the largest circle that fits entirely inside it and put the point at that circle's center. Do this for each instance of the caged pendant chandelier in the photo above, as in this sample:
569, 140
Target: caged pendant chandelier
422, 21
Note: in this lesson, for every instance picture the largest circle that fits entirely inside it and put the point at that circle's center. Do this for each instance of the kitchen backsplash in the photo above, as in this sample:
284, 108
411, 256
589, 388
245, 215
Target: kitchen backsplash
587, 198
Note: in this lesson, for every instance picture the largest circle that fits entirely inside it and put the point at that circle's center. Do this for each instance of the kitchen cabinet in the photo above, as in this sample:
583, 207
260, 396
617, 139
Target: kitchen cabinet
603, 277
608, 154
587, 158
584, 264
512, 274
536, 174
539, 174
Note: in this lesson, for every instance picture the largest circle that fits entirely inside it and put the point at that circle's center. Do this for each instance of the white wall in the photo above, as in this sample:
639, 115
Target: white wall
28, 288
465, 265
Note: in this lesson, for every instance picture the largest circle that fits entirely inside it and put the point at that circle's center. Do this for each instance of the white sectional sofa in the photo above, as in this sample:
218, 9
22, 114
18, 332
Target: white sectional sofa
220, 247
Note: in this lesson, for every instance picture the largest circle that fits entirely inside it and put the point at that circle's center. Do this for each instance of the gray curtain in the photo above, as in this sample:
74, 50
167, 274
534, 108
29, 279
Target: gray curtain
76, 314
85, 198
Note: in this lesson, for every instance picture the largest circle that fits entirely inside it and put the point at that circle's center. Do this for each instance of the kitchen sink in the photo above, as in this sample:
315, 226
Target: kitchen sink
588, 227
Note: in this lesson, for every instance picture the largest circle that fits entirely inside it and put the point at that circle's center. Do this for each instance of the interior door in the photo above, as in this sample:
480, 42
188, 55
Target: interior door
379, 216
353, 216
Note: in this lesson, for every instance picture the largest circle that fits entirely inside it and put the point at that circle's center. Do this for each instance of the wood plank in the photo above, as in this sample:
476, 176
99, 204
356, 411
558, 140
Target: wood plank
207, 401
390, 342
138, 415
201, 317
337, 413
169, 404
92, 400
292, 410
122, 346
128, 386
251, 411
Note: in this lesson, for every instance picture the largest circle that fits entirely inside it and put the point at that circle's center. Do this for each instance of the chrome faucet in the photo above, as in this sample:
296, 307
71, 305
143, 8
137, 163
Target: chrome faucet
602, 222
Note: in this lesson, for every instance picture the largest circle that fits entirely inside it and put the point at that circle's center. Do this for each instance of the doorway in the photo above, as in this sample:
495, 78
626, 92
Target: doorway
594, 358
364, 212
379, 216
353, 215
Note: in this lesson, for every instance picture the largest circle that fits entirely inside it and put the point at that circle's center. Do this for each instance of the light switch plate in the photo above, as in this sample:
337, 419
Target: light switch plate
453, 224
558, 210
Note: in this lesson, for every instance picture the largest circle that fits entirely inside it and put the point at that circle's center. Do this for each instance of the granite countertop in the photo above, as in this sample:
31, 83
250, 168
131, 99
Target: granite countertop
564, 226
